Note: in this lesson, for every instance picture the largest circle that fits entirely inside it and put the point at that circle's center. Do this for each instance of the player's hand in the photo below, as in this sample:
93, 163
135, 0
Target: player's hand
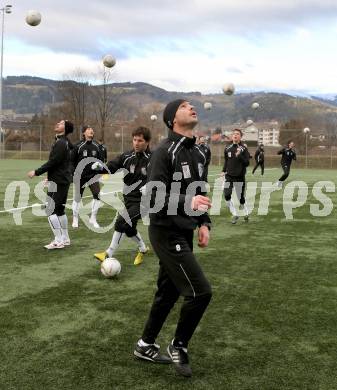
143, 190
203, 236
31, 174
238, 151
222, 174
96, 166
201, 203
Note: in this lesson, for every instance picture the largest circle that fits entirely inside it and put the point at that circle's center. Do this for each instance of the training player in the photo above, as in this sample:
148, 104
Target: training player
135, 162
234, 171
177, 163
59, 179
288, 155
207, 152
259, 159
82, 150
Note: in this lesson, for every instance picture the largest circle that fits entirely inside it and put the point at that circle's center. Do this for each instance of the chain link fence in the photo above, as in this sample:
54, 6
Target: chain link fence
27, 142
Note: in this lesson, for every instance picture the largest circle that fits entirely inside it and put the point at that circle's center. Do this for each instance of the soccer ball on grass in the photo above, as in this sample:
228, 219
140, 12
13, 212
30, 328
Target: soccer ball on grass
110, 267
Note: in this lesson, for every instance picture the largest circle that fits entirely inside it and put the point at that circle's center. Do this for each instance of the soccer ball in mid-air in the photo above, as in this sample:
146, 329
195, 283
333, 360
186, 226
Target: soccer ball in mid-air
255, 105
228, 89
207, 106
109, 61
153, 118
110, 267
33, 18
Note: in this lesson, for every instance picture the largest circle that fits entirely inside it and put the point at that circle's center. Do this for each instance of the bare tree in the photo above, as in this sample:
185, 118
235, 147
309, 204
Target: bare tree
75, 90
105, 99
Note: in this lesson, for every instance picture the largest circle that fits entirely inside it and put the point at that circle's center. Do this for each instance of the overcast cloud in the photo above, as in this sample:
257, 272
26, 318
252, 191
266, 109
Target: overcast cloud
256, 44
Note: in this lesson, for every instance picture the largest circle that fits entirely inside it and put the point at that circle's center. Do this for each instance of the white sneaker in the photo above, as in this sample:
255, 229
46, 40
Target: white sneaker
54, 245
279, 184
75, 222
94, 223
66, 242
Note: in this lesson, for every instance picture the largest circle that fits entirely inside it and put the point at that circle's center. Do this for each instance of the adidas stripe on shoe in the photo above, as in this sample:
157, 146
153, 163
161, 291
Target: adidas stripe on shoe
151, 353
180, 359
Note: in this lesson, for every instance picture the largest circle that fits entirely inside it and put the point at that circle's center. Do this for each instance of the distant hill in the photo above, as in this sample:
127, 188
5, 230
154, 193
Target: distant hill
33, 95
326, 99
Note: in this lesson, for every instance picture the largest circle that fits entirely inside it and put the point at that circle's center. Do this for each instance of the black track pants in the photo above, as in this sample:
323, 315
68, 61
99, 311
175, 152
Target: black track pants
286, 171
179, 274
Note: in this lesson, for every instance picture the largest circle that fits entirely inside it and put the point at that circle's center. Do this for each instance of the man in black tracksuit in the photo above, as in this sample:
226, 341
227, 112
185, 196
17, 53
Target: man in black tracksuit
259, 159
177, 165
207, 152
234, 171
288, 155
59, 178
135, 162
87, 148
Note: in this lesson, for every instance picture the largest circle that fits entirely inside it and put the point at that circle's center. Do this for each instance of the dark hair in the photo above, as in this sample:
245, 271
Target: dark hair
239, 130
83, 130
144, 131
85, 127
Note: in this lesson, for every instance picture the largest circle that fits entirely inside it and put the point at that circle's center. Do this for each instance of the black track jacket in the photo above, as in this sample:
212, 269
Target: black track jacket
58, 166
177, 163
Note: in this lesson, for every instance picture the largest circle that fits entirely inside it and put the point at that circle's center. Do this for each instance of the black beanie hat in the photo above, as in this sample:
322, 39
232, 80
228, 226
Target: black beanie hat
170, 112
68, 127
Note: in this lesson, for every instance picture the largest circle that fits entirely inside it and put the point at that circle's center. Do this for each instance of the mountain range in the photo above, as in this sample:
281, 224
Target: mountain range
26, 95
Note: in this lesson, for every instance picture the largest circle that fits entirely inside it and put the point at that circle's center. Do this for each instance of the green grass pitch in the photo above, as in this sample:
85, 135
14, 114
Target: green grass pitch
271, 325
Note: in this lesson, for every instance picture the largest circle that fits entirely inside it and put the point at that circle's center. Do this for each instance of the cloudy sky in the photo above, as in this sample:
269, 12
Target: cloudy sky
190, 45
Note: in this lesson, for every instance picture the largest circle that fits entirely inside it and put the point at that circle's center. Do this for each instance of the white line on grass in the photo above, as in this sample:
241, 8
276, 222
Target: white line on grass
43, 204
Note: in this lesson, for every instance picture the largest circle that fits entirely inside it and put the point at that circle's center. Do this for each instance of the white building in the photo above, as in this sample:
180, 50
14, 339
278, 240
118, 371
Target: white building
269, 137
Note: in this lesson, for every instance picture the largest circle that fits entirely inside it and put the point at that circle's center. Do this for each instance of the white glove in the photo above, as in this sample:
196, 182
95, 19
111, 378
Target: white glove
239, 150
143, 190
96, 166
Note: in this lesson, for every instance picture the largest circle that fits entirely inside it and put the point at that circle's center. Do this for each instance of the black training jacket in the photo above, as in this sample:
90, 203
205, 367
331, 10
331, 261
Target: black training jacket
177, 162
136, 164
259, 155
58, 166
235, 166
288, 155
82, 150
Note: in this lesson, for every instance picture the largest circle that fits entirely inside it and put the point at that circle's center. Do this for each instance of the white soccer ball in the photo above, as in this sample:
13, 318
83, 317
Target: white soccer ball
110, 267
153, 118
109, 61
228, 89
255, 105
33, 18
249, 122
306, 130
207, 106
